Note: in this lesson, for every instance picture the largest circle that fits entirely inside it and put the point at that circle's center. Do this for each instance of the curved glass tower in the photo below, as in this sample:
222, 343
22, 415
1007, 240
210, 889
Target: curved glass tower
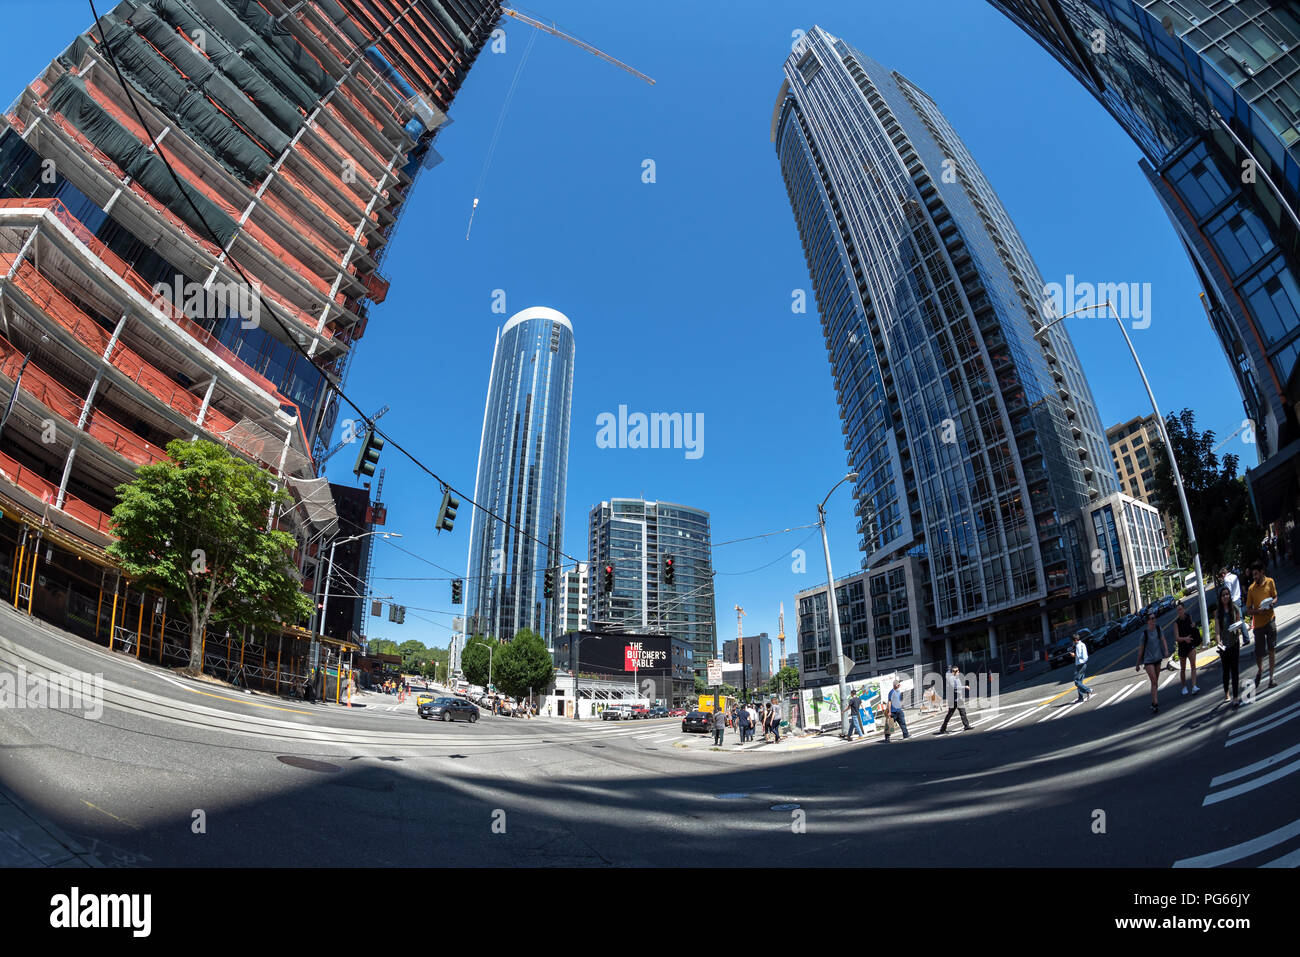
976, 446
523, 461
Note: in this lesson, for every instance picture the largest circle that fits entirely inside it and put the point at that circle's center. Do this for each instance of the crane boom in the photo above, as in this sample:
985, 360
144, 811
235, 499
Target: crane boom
551, 29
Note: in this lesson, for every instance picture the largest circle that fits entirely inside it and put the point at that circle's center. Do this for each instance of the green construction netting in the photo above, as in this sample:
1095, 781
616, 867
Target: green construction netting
339, 17
159, 82
261, 87
205, 76
68, 97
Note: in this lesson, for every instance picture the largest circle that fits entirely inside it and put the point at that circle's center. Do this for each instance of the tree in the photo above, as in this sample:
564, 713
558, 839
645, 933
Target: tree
701, 686
787, 678
523, 664
474, 660
195, 528
382, 646
412, 651
1216, 497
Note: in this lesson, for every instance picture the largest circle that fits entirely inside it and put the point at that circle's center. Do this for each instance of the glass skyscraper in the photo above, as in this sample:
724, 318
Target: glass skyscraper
1209, 90
523, 462
636, 536
977, 447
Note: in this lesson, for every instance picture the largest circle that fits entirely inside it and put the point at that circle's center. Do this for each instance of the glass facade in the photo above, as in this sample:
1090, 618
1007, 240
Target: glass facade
1209, 90
523, 464
976, 446
635, 536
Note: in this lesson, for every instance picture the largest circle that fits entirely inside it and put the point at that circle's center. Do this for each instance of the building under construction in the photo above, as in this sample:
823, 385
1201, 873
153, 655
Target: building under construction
196, 198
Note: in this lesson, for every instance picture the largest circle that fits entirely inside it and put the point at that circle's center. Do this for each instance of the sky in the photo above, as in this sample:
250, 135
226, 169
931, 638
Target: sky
680, 289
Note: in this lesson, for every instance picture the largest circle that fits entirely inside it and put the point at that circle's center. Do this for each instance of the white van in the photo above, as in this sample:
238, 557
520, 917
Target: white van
1190, 584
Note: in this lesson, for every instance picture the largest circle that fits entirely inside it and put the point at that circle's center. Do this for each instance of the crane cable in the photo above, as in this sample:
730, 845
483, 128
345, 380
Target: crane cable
496, 133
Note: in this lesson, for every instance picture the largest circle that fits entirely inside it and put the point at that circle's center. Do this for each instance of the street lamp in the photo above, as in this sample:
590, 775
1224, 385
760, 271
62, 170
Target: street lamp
329, 574
837, 651
1169, 451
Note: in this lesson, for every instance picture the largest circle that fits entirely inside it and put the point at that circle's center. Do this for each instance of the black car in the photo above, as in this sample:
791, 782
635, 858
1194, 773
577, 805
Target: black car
449, 709
1061, 653
658, 713
1131, 624
1089, 638
698, 721
1108, 633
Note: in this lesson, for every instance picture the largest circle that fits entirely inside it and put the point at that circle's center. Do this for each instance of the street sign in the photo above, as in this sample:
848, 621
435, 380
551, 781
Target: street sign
715, 671
846, 663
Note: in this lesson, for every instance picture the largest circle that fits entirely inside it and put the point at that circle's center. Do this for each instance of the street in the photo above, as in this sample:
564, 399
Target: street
178, 772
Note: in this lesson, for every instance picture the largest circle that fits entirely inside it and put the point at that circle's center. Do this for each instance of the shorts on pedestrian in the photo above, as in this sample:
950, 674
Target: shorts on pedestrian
1185, 649
1266, 638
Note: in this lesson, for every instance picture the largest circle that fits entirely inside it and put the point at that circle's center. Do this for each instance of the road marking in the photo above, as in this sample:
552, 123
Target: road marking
1121, 695
1169, 680
1286, 860
1257, 766
1257, 722
1014, 718
1274, 721
1245, 849
1059, 712
1252, 785
120, 820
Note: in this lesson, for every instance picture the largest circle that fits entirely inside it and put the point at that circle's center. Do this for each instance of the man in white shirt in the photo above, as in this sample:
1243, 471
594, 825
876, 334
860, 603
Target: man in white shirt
1080, 655
1234, 587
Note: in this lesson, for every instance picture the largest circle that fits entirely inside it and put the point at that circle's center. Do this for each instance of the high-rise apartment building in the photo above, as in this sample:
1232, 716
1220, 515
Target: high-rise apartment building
1209, 90
575, 583
635, 537
523, 464
196, 198
758, 658
972, 429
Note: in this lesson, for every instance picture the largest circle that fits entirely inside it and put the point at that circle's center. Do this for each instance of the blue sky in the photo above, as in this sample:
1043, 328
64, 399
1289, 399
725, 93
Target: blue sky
679, 290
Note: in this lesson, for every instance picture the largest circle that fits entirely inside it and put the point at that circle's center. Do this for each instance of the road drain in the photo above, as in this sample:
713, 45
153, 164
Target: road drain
307, 764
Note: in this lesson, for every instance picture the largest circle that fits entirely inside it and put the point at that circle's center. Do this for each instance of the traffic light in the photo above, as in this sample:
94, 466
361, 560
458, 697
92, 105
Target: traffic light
549, 578
368, 457
447, 513
401, 614
609, 579
392, 613
668, 570
456, 586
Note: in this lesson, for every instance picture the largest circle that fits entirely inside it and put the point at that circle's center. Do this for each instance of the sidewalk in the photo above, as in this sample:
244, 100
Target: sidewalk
28, 841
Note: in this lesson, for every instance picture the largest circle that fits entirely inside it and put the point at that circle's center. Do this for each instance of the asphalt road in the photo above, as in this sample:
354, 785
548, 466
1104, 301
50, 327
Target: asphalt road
1038, 781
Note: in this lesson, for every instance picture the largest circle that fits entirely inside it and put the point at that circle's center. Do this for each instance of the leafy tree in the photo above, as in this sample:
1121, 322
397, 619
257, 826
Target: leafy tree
194, 527
474, 660
382, 646
701, 686
787, 677
1216, 497
523, 664
412, 653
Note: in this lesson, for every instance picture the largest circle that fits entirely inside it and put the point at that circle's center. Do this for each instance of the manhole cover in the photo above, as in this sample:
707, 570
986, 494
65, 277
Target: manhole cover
730, 796
307, 764
785, 807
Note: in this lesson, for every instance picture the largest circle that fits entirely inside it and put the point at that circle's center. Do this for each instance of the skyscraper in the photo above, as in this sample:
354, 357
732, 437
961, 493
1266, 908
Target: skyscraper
523, 462
636, 538
288, 139
1210, 93
976, 445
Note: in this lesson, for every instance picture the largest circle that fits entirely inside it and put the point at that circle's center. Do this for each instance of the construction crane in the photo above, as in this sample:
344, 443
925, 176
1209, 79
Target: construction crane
780, 665
374, 418
555, 31
740, 646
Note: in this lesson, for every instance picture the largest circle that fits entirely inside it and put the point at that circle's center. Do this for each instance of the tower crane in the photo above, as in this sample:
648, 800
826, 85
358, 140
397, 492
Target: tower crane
552, 29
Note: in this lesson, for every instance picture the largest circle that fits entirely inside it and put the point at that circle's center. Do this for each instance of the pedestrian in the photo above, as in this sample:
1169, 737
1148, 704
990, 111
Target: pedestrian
1080, 656
719, 726
1234, 587
776, 722
1229, 626
957, 689
1189, 637
1151, 652
742, 726
753, 719
855, 715
1261, 598
895, 705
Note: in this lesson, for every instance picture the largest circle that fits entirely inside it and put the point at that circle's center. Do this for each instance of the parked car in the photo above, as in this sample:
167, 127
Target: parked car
448, 709
1089, 638
698, 721
1108, 633
658, 713
677, 713
616, 713
1131, 623
1190, 585
640, 711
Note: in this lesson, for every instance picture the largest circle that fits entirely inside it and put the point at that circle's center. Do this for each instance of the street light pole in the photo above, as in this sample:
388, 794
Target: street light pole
837, 651
329, 574
1169, 452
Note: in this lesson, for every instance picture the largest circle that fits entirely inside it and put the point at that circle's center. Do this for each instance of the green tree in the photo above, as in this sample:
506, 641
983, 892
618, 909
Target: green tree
523, 664
194, 527
382, 646
1216, 497
787, 678
474, 660
412, 653
701, 686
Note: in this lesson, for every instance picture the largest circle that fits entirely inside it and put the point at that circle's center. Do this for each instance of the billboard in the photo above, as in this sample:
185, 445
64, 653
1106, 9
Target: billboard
822, 709
618, 656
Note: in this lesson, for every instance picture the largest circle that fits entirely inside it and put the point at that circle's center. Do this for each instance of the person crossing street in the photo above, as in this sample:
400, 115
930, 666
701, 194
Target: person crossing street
1261, 598
1080, 656
895, 706
957, 689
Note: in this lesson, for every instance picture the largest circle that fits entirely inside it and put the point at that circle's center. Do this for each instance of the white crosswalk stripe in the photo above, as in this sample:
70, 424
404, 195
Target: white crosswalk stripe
1259, 782
1121, 695
1273, 721
1245, 849
1013, 719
